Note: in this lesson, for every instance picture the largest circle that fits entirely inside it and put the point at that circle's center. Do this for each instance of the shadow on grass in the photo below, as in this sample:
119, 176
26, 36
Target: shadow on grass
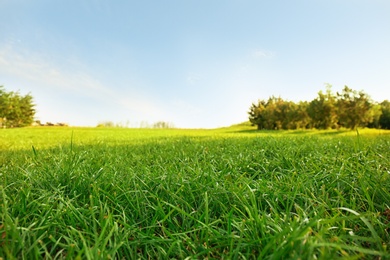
294, 132
252, 131
335, 132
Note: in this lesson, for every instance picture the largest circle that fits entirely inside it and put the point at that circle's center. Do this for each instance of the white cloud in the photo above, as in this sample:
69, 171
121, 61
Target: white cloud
35, 68
258, 53
193, 78
72, 79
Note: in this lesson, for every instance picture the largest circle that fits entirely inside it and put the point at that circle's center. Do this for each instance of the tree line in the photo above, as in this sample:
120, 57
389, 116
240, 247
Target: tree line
348, 108
16, 110
143, 124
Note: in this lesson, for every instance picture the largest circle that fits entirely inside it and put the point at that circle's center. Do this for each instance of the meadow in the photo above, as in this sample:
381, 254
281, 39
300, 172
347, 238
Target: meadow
229, 193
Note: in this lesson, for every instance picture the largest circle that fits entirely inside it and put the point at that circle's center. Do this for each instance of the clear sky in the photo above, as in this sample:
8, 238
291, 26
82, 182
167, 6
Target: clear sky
195, 63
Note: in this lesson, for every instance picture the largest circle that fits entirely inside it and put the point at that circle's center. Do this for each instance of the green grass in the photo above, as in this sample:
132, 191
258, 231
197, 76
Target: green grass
230, 193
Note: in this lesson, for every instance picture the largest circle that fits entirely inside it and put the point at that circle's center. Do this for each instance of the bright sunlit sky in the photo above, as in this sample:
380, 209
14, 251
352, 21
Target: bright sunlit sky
194, 63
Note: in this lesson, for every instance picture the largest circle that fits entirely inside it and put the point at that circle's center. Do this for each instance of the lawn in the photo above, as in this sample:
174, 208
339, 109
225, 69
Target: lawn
230, 193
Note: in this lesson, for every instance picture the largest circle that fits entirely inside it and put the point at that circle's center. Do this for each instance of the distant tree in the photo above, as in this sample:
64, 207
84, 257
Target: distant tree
375, 114
280, 111
384, 119
144, 124
256, 114
163, 124
271, 114
297, 116
16, 110
348, 109
106, 124
323, 110
354, 108
276, 113
303, 116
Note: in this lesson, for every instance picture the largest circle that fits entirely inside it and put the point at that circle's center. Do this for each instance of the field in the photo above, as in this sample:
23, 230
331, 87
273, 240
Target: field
230, 193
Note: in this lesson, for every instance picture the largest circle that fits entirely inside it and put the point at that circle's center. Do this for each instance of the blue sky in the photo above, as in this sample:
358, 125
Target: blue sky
194, 63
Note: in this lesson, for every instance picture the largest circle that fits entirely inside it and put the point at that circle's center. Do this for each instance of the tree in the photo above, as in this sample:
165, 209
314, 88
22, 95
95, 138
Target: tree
354, 108
256, 114
106, 124
163, 125
303, 115
323, 110
276, 113
384, 119
297, 116
16, 110
349, 109
375, 114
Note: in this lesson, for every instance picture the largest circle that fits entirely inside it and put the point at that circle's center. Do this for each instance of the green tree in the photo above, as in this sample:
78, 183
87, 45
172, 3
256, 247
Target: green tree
349, 109
323, 110
273, 113
375, 114
354, 108
256, 114
297, 116
16, 110
384, 119
276, 113
303, 115
163, 125
267, 114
